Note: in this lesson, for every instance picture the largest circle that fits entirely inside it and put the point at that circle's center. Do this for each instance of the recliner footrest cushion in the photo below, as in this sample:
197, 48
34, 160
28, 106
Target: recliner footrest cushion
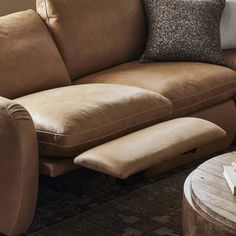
140, 150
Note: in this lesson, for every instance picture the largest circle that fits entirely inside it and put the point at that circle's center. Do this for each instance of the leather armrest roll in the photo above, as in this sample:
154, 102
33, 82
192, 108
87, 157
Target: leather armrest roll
18, 168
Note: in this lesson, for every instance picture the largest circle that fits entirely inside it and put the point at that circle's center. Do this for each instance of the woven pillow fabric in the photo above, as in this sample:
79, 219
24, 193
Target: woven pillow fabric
184, 30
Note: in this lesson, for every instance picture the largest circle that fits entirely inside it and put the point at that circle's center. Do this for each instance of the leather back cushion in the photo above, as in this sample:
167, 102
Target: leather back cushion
29, 59
93, 35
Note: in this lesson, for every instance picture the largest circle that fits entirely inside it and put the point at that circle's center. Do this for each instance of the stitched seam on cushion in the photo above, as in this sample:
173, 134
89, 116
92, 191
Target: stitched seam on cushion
205, 91
205, 100
18, 139
91, 140
20, 109
104, 136
89, 130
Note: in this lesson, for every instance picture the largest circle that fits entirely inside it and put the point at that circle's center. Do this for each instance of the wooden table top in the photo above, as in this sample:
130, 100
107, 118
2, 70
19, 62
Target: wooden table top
211, 194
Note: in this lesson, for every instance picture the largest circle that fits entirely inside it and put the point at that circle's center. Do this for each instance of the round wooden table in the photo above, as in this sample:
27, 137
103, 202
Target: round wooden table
209, 208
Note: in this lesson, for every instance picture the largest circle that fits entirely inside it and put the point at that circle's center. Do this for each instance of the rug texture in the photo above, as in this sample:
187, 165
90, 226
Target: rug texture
86, 203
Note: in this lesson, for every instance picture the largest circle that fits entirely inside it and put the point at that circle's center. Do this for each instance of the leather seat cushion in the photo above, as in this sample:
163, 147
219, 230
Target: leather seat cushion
190, 86
72, 119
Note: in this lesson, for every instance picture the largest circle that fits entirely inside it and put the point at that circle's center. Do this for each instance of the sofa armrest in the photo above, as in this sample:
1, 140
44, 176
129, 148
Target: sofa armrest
230, 58
18, 168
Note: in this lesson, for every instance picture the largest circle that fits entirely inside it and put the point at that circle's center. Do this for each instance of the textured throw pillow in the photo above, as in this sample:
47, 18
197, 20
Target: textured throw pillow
184, 30
228, 25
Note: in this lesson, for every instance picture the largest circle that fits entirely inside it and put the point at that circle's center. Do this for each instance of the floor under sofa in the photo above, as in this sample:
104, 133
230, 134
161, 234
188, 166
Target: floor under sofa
88, 203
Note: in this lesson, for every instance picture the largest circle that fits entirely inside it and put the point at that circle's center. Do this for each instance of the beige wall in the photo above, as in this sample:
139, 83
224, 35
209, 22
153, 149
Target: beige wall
10, 6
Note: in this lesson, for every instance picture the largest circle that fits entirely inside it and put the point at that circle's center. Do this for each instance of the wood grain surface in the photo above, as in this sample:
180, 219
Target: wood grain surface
211, 194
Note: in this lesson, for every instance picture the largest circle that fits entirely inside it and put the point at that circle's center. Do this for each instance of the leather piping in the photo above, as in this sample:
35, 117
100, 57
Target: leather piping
205, 100
100, 137
89, 130
205, 91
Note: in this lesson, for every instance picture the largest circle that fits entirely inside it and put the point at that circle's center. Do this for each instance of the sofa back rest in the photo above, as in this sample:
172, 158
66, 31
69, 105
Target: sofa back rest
93, 35
29, 59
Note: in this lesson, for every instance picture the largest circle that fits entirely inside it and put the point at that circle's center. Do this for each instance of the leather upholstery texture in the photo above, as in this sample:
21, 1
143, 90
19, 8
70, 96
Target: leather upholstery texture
230, 58
222, 114
189, 86
18, 168
75, 118
142, 149
29, 59
94, 35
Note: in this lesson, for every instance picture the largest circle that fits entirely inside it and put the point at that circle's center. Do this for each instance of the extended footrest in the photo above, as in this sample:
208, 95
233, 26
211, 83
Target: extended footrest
140, 150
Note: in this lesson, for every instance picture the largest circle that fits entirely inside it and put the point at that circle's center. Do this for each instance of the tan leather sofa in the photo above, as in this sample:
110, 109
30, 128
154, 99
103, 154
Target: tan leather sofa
73, 94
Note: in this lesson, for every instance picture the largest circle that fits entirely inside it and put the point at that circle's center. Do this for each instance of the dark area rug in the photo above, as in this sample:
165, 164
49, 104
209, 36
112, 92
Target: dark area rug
86, 203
